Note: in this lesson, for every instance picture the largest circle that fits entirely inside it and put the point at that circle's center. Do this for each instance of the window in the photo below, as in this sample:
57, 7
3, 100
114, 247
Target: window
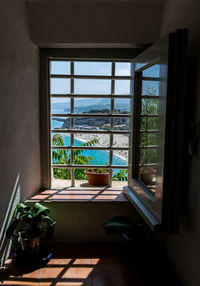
158, 136
90, 110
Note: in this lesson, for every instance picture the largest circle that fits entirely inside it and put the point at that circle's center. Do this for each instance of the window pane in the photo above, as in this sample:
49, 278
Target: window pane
120, 175
122, 87
92, 86
122, 106
61, 173
92, 68
58, 139
120, 140
81, 138
150, 88
148, 139
92, 105
148, 156
60, 123
60, 105
149, 123
120, 158
59, 67
121, 123
61, 157
92, 123
91, 157
149, 106
153, 71
123, 69
60, 86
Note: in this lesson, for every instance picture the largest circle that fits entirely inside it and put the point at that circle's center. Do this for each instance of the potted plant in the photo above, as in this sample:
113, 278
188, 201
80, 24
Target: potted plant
146, 175
98, 177
30, 230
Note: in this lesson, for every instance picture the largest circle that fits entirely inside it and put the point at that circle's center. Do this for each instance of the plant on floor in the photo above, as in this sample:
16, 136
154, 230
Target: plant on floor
30, 230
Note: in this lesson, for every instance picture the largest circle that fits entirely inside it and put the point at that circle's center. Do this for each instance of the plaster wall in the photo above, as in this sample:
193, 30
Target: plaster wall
184, 249
19, 110
91, 24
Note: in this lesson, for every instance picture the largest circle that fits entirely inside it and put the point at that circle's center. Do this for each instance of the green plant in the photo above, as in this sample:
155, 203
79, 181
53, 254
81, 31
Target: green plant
149, 107
122, 175
30, 226
98, 171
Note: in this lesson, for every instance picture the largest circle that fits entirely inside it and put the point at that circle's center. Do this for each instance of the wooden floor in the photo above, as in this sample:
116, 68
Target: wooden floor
94, 264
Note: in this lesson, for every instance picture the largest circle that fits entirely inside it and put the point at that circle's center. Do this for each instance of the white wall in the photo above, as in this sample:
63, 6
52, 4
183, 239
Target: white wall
19, 110
184, 248
62, 23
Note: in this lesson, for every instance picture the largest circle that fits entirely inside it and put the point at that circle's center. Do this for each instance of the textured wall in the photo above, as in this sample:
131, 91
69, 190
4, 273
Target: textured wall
94, 23
184, 248
19, 109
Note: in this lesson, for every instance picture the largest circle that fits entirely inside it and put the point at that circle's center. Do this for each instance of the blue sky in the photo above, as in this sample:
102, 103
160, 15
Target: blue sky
95, 86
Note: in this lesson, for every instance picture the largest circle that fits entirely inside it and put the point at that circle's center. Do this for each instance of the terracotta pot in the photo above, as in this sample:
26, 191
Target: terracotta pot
97, 179
146, 178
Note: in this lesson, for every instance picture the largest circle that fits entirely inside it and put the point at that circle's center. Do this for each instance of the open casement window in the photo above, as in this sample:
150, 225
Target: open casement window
157, 139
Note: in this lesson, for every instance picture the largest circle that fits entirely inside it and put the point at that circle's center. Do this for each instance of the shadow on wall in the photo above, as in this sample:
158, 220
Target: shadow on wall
5, 244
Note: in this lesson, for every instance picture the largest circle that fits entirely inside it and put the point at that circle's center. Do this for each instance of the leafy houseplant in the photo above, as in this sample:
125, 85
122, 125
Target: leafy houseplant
30, 230
97, 177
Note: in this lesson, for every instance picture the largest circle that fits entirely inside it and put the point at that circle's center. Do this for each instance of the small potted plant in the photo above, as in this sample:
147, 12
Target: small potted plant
146, 175
98, 177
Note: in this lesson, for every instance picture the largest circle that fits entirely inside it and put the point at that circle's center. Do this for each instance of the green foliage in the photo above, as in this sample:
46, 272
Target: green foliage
122, 175
64, 157
149, 107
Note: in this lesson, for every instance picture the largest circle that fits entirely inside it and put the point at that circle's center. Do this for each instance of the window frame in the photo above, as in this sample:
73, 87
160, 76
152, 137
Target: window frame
118, 55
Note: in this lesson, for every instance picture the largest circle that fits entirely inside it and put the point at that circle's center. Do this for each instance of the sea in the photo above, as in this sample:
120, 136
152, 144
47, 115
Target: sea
100, 157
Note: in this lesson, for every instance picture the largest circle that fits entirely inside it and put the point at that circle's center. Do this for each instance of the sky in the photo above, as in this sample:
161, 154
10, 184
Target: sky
96, 86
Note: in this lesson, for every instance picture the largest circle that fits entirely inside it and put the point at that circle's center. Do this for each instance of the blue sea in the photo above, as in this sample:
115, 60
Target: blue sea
100, 157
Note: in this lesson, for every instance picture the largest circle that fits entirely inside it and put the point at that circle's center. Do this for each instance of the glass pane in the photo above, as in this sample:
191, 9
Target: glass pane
60, 86
120, 175
123, 69
149, 123
148, 176
122, 87
92, 68
61, 173
60, 105
92, 105
120, 158
102, 140
92, 123
120, 140
148, 139
122, 106
150, 88
60, 122
120, 124
148, 156
149, 106
92, 86
58, 139
59, 67
61, 156
91, 157
153, 71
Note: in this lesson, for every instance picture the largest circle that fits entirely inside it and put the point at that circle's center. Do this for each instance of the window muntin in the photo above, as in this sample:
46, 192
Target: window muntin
96, 105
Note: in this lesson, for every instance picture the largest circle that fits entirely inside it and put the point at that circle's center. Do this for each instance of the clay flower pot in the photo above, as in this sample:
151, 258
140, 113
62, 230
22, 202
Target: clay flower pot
97, 178
146, 178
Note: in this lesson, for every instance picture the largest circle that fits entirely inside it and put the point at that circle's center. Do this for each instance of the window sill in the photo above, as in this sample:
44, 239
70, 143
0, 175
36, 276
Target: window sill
83, 192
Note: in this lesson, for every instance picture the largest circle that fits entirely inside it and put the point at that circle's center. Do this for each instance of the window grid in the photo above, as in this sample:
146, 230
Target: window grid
72, 115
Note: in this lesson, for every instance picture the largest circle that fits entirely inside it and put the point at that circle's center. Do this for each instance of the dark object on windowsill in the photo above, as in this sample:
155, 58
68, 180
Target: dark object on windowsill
98, 177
